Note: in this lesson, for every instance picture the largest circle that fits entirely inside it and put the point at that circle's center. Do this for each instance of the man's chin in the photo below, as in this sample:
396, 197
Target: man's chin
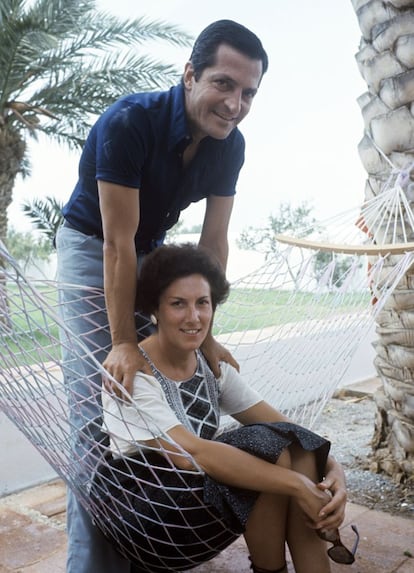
221, 133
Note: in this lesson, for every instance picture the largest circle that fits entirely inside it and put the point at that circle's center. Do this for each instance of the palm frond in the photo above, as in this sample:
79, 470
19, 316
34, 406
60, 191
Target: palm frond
55, 38
46, 214
8, 8
95, 85
65, 58
80, 97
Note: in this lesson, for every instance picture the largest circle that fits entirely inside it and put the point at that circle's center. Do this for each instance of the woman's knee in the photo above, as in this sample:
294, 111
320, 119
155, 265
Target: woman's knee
285, 459
303, 461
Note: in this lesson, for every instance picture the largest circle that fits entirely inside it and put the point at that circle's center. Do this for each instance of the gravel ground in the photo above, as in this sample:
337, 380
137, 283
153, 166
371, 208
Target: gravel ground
349, 424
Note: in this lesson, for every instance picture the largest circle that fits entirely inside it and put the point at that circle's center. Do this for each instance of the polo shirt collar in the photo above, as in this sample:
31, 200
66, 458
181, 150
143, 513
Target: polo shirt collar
179, 132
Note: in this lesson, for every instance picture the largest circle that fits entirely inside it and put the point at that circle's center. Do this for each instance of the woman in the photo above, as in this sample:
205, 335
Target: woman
269, 479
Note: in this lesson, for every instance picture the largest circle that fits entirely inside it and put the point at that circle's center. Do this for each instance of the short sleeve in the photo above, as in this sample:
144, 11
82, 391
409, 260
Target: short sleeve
122, 144
228, 161
235, 394
148, 416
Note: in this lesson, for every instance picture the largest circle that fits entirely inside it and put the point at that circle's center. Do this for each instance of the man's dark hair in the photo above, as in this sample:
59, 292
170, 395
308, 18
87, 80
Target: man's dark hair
230, 33
171, 262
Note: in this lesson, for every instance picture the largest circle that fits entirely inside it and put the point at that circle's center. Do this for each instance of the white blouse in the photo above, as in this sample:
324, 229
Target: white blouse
149, 415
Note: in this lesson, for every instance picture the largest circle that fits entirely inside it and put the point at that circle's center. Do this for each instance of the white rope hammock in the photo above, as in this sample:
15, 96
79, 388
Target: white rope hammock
293, 325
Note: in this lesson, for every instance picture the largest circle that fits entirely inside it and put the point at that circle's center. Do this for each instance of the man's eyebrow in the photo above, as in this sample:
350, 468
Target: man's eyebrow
251, 90
222, 76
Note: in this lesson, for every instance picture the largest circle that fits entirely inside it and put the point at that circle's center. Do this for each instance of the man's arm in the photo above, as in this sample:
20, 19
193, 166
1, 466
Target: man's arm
215, 227
120, 219
214, 238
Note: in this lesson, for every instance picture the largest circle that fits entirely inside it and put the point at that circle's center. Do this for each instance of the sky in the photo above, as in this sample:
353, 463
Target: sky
304, 126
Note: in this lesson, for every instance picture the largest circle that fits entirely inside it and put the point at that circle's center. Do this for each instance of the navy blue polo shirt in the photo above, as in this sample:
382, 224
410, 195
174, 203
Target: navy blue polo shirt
138, 142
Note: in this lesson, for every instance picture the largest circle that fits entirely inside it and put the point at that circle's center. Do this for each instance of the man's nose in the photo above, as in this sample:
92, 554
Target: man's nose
234, 101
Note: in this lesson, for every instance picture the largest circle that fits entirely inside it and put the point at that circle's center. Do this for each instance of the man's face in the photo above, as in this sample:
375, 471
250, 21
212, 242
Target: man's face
223, 94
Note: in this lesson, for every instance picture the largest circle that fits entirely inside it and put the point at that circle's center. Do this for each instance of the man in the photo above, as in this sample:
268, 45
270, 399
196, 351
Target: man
146, 159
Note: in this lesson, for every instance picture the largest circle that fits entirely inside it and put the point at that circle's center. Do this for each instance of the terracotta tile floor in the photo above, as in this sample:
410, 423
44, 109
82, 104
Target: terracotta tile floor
33, 539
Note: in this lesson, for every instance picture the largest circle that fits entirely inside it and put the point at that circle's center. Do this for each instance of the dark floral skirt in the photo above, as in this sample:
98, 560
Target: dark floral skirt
163, 519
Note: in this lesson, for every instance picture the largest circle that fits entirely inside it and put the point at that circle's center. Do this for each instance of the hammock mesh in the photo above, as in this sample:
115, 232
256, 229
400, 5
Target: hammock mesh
293, 330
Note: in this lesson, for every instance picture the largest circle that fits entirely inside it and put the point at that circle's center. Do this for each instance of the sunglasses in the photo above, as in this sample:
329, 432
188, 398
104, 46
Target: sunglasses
338, 552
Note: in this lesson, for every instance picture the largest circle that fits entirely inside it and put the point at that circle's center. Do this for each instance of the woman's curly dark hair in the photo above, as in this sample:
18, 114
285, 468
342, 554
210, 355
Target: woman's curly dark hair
171, 262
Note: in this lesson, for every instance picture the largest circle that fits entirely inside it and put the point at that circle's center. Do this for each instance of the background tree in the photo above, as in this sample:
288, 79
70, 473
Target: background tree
340, 266
179, 228
62, 62
174, 232
193, 230
297, 221
288, 219
26, 247
386, 62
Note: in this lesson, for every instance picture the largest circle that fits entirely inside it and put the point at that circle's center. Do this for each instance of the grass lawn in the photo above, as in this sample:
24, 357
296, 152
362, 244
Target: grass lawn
251, 309
27, 333
34, 334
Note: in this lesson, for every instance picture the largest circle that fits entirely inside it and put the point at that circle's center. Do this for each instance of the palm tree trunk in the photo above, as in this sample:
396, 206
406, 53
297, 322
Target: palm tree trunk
386, 62
12, 150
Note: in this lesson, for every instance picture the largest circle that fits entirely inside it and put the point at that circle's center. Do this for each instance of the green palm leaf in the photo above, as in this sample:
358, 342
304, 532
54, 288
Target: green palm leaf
46, 214
62, 62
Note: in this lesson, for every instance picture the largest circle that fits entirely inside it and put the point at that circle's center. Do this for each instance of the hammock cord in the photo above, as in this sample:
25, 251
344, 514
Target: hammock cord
293, 325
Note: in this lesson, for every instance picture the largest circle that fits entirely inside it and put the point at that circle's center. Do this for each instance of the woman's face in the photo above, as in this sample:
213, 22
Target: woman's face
184, 313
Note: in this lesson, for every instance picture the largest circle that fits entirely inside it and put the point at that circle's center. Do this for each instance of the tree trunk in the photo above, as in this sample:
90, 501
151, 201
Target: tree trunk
386, 62
12, 150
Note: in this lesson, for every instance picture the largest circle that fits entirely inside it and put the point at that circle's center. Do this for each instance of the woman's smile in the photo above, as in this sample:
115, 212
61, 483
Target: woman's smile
185, 312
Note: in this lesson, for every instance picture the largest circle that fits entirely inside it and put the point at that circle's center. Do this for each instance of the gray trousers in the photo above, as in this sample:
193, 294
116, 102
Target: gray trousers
80, 262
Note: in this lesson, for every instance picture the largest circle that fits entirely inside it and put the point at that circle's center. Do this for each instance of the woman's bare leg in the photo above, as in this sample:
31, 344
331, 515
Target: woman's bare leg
265, 533
275, 519
308, 551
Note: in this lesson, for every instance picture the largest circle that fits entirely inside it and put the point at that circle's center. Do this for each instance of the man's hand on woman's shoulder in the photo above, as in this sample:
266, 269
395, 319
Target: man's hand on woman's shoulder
215, 353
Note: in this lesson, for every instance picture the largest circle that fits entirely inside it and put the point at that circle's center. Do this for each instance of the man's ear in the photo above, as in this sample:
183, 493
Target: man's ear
188, 75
